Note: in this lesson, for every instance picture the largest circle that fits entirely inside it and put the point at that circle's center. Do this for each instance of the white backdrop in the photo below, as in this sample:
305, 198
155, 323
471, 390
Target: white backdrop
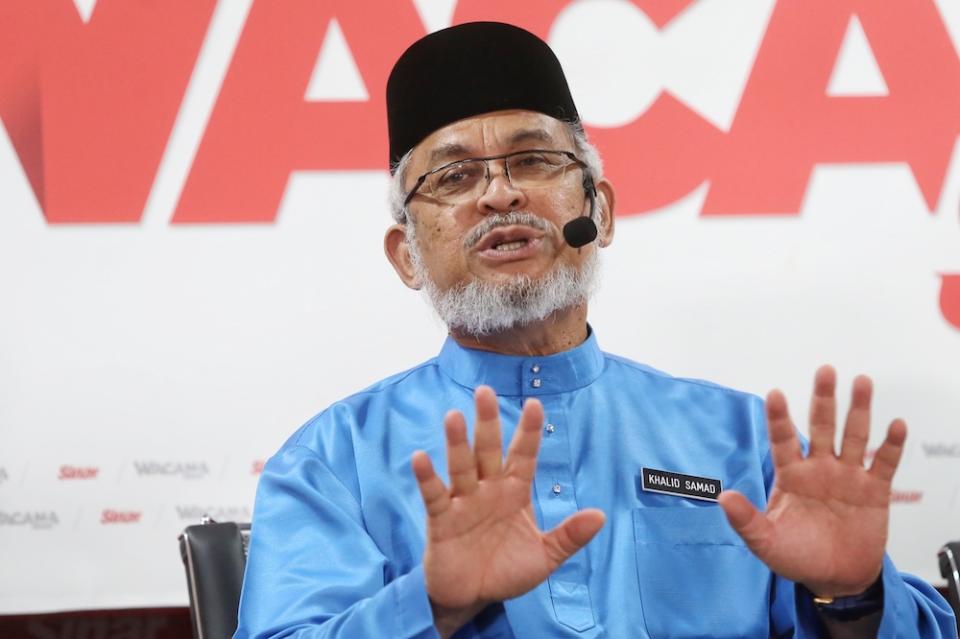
147, 369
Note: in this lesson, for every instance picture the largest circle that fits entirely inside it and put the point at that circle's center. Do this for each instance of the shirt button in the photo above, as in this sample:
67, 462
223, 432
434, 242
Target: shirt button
535, 383
535, 368
551, 428
556, 489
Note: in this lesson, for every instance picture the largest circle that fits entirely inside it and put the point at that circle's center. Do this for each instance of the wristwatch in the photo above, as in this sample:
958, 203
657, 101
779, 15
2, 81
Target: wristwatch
853, 607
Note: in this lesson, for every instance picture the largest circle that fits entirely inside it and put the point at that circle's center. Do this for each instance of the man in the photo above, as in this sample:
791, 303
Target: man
372, 521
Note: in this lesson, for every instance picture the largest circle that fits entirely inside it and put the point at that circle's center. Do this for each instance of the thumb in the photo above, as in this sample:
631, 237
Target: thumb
752, 525
573, 533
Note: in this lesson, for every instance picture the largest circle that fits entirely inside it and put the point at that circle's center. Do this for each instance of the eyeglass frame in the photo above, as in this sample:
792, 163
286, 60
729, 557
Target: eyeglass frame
486, 166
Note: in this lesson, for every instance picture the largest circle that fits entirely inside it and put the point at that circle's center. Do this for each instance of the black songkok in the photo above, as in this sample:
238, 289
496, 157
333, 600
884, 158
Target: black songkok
468, 70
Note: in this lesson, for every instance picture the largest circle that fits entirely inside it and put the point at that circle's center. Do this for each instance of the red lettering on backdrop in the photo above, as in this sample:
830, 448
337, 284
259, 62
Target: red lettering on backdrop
665, 152
906, 496
262, 128
89, 108
950, 299
110, 516
786, 123
78, 472
111, 90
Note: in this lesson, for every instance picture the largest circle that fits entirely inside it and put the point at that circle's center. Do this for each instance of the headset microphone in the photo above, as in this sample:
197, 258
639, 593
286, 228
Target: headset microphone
582, 230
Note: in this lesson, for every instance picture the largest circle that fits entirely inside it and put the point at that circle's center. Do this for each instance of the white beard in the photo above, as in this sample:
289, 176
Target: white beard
481, 308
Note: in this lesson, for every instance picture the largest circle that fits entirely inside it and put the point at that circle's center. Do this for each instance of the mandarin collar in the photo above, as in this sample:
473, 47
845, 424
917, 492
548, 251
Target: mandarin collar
518, 375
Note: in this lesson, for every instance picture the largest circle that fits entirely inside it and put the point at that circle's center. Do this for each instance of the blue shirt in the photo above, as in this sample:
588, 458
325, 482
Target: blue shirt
338, 527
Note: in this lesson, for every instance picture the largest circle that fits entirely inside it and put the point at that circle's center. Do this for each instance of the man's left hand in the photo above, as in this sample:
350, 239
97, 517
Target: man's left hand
826, 520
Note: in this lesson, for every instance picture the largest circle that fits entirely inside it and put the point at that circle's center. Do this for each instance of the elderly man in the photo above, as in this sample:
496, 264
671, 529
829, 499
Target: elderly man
672, 507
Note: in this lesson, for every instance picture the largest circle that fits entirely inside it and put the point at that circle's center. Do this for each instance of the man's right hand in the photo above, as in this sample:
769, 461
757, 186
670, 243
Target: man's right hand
483, 544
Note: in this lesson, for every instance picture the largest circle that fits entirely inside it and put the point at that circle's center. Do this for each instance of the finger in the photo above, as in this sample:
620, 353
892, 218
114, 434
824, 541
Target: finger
823, 412
888, 455
487, 440
460, 463
522, 454
752, 525
434, 493
784, 445
856, 432
572, 534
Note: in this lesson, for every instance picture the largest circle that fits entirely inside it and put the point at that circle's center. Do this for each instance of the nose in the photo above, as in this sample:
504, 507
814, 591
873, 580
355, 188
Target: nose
501, 195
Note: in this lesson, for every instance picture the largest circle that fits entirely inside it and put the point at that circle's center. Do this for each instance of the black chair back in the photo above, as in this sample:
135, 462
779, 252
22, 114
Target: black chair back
214, 556
949, 557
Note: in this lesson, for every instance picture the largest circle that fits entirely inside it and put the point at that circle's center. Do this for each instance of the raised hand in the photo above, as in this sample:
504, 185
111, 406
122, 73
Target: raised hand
483, 544
826, 521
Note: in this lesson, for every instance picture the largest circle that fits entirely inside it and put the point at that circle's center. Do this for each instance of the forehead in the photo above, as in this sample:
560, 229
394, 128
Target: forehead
490, 134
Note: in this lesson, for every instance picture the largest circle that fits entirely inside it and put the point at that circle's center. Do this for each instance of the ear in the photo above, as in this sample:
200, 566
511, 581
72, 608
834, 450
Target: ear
398, 252
606, 202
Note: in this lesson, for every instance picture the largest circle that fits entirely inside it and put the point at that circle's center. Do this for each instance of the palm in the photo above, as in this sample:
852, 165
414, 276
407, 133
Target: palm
488, 548
826, 521
483, 544
831, 523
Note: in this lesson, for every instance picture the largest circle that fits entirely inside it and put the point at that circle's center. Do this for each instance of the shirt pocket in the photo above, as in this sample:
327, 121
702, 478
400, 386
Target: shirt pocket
697, 577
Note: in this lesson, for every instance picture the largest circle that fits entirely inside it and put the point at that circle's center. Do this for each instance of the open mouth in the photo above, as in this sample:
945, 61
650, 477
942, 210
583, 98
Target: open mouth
510, 246
507, 239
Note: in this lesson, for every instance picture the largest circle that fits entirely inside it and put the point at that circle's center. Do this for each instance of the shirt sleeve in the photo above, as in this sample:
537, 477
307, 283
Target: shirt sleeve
313, 571
912, 605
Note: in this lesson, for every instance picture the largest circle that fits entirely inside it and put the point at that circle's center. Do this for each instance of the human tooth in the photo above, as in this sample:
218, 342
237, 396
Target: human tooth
510, 246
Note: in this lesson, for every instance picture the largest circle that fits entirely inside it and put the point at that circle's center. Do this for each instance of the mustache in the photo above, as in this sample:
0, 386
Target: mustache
513, 218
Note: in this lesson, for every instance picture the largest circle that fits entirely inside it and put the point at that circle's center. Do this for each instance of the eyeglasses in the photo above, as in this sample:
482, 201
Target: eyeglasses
463, 180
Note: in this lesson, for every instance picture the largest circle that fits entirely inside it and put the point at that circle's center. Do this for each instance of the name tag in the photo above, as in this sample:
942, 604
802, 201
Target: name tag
663, 481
